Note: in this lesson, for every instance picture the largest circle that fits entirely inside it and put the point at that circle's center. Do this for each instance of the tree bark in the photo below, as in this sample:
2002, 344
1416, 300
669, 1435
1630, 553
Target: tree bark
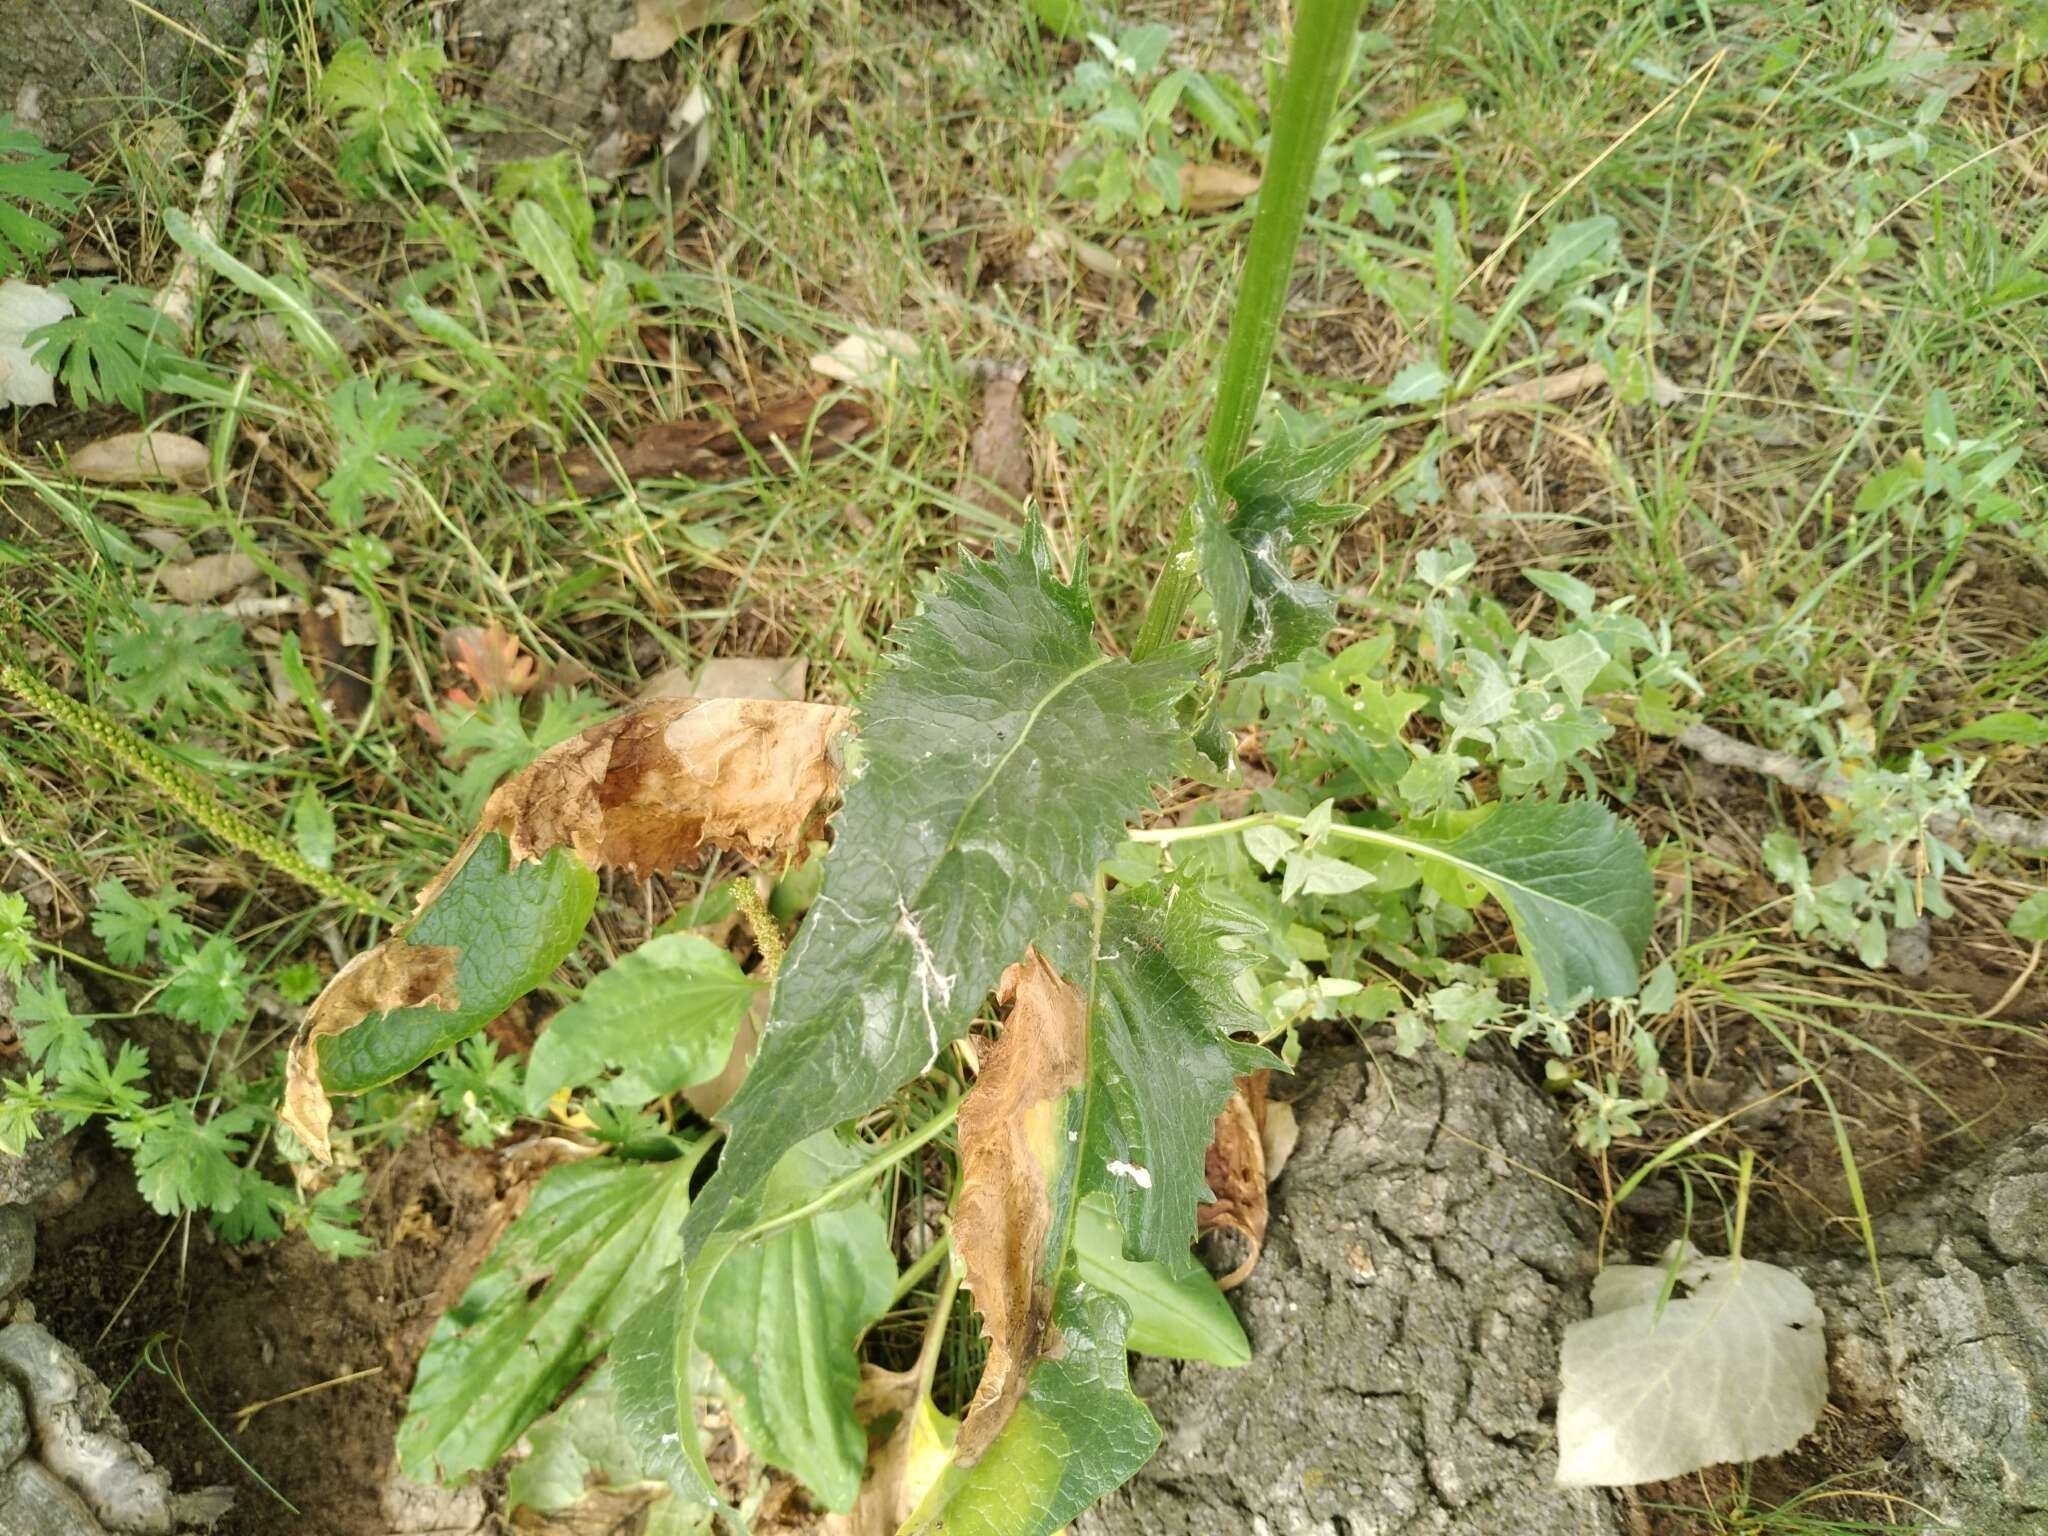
1405, 1321
1406, 1316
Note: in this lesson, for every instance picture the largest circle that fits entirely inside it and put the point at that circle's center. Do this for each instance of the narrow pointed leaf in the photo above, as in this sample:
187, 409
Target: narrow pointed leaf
595, 1239
983, 803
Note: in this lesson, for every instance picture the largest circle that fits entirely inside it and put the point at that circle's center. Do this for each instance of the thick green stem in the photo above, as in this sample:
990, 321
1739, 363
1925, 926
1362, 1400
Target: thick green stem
1317, 58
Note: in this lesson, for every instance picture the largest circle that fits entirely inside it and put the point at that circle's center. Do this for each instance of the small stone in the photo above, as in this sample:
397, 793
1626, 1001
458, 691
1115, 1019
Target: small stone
17, 1247
2016, 1217
34, 1502
41, 1165
13, 1424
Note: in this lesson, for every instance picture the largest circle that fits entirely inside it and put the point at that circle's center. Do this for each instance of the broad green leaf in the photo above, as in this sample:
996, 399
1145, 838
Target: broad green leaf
1573, 879
579, 1447
1163, 994
783, 1319
1176, 1313
1077, 1433
983, 802
2029, 920
662, 1016
1263, 615
511, 926
593, 1243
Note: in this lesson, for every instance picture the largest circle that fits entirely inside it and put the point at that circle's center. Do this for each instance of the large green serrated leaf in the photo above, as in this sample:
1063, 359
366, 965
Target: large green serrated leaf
595, 1240
1000, 755
1078, 1433
1573, 879
784, 1317
512, 926
1263, 614
663, 1016
1162, 1061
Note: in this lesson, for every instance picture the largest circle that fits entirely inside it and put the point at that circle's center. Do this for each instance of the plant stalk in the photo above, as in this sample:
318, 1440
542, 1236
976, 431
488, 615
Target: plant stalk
1317, 57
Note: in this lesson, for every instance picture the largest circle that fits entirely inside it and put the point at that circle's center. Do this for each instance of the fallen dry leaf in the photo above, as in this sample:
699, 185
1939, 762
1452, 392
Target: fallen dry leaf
706, 449
1213, 188
491, 659
753, 677
659, 24
340, 670
144, 458
1236, 1170
395, 974
644, 791
1008, 1148
999, 453
870, 359
207, 578
1278, 1139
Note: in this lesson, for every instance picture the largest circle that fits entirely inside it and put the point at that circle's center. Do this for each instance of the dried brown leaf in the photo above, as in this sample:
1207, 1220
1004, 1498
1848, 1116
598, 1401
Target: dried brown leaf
144, 458
658, 24
207, 578
645, 791
710, 449
1236, 1171
1010, 1143
491, 659
340, 670
999, 453
394, 974
1213, 188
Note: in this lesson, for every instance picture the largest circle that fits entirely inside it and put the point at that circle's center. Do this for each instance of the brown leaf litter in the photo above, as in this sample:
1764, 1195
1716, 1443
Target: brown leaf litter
711, 448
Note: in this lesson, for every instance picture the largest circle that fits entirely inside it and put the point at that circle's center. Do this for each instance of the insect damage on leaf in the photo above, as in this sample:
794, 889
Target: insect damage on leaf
393, 975
1013, 1130
642, 792
645, 791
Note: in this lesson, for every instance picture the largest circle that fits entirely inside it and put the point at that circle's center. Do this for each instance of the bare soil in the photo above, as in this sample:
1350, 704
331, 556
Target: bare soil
246, 1326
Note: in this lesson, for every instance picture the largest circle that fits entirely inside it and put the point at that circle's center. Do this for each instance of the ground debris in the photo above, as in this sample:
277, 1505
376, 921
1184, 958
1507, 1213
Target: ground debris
710, 447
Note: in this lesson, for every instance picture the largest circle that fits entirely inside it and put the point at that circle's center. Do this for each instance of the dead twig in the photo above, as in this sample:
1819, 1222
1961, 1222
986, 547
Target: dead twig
178, 300
1985, 823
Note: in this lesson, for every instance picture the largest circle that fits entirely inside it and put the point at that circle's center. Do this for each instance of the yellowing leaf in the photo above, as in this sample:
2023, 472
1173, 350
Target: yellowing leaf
139, 458
1013, 1130
906, 1465
393, 975
1732, 1367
